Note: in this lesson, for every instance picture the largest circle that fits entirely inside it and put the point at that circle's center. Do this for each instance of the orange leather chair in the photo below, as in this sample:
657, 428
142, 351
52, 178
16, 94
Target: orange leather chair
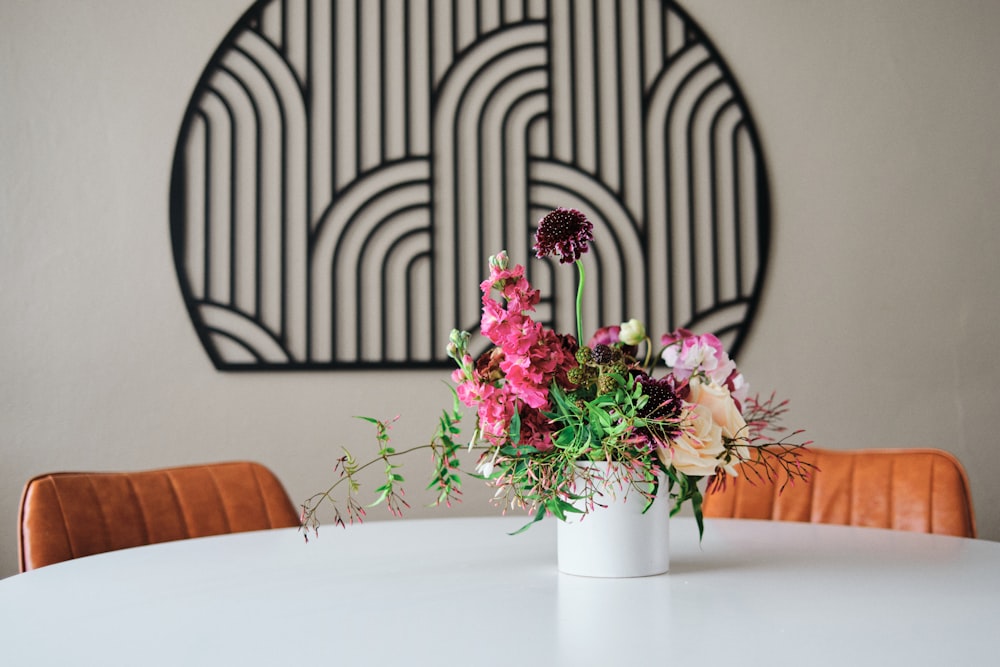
73, 514
920, 490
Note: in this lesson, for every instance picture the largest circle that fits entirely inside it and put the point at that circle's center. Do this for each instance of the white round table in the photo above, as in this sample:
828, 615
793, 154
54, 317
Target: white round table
462, 591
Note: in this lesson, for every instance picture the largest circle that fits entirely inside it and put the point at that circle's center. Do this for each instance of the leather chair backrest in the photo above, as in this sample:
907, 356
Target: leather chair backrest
920, 490
73, 514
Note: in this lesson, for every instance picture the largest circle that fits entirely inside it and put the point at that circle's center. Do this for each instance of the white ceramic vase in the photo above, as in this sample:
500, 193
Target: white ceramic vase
617, 540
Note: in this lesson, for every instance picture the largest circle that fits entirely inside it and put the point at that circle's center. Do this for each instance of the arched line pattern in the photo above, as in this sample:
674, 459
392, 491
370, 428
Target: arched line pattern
501, 176
405, 291
247, 331
463, 93
337, 246
260, 205
224, 342
661, 191
692, 233
283, 85
343, 171
218, 273
247, 99
704, 251
724, 113
396, 218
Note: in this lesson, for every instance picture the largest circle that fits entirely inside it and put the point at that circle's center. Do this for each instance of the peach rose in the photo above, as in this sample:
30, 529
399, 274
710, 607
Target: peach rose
697, 449
717, 399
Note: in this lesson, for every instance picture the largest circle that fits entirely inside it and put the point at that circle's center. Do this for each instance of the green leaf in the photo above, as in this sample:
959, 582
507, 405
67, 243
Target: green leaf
569, 507
565, 438
539, 515
696, 500
515, 427
601, 417
378, 500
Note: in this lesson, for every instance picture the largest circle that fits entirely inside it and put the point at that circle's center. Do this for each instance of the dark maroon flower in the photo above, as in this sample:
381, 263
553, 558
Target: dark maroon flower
564, 232
663, 401
662, 410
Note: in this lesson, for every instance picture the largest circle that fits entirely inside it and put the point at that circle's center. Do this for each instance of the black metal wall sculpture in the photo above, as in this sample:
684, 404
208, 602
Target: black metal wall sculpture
345, 168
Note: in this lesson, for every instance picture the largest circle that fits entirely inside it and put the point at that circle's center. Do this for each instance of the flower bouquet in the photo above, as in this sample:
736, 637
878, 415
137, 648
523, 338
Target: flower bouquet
547, 408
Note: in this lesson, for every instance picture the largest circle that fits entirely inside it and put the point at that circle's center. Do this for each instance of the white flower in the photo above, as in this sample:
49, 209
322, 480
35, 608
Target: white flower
632, 332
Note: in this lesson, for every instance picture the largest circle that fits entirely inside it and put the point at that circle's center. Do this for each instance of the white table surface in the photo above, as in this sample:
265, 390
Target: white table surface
459, 591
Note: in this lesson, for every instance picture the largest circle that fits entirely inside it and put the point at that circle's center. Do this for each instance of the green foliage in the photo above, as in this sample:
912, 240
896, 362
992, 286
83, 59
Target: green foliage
446, 479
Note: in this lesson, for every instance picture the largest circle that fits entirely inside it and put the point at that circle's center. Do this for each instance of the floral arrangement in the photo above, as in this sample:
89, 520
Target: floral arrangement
544, 404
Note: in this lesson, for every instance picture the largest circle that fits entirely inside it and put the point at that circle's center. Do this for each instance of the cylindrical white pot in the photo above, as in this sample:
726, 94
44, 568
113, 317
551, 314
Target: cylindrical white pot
617, 540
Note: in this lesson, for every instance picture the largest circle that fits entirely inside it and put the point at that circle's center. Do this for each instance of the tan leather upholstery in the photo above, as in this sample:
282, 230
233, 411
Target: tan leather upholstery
920, 490
72, 514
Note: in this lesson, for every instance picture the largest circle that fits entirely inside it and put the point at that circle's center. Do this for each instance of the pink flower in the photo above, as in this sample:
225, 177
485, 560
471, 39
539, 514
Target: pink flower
529, 372
526, 384
688, 354
495, 411
526, 358
605, 336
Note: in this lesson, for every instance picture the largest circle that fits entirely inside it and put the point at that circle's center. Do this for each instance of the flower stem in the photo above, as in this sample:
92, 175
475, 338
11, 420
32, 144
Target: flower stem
579, 302
649, 353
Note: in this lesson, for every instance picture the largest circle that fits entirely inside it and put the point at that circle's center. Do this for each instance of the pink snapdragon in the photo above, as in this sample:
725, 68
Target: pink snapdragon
524, 362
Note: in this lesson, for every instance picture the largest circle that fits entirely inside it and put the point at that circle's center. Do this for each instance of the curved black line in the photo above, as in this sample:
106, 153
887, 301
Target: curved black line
356, 215
668, 177
239, 313
692, 200
760, 174
239, 341
461, 289
232, 189
258, 195
383, 305
411, 269
285, 185
505, 134
359, 286
482, 174
178, 173
714, 190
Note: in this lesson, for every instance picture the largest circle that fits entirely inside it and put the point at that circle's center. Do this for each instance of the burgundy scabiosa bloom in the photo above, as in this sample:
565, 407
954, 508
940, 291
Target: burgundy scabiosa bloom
662, 409
564, 232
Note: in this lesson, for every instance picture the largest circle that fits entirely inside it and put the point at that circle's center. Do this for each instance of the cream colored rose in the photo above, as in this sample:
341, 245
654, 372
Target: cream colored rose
717, 399
720, 403
632, 332
697, 449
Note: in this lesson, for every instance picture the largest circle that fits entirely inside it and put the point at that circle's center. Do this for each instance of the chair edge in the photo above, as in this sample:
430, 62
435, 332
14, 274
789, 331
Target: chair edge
21, 561
951, 458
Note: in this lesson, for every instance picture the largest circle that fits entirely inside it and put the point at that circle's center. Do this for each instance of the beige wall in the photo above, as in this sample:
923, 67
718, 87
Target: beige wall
879, 318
